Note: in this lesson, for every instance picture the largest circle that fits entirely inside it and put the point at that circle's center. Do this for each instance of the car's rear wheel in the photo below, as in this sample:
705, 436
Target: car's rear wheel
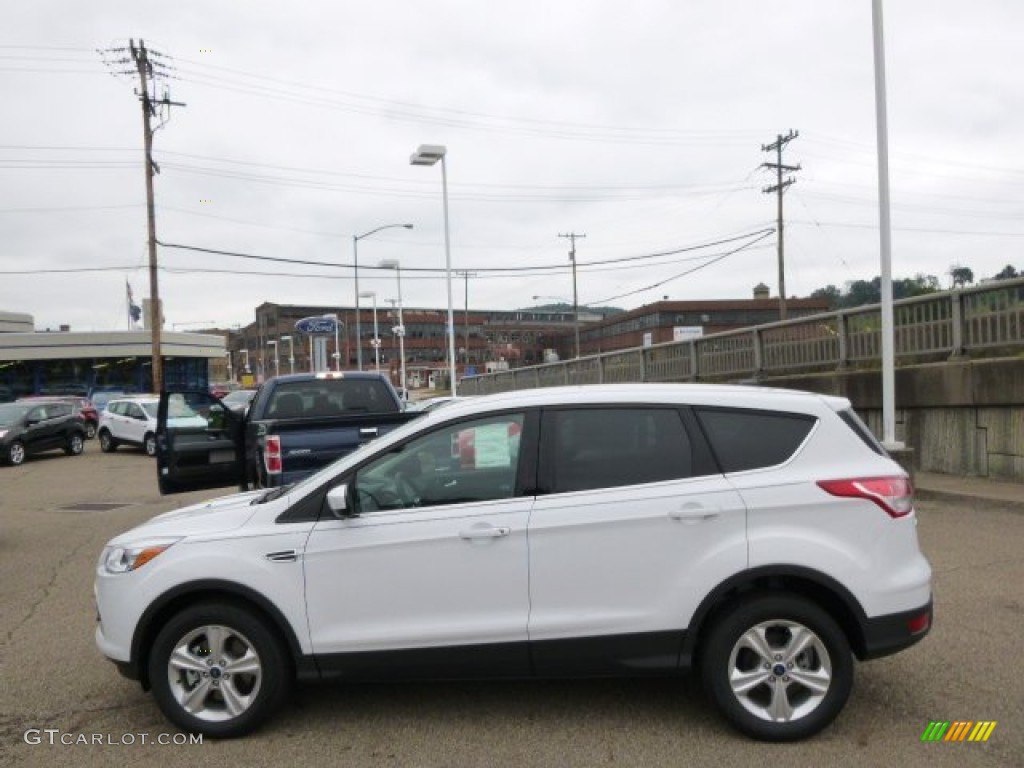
76, 443
218, 670
778, 667
107, 442
149, 444
16, 453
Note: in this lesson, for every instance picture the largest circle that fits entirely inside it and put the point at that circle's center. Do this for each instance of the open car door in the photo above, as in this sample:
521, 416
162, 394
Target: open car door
199, 443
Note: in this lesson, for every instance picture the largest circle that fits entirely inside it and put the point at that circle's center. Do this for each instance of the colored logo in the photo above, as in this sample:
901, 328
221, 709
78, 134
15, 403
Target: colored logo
314, 325
958, 730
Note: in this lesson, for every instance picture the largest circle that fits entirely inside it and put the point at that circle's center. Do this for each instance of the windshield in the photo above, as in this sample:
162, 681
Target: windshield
332, 469
12, 413
238, 397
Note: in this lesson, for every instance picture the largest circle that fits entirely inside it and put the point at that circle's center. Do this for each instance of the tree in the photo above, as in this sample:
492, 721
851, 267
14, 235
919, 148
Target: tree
1008, 272
961, 276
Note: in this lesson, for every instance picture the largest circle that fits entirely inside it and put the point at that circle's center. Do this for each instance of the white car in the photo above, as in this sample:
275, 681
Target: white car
761, 536
132, 420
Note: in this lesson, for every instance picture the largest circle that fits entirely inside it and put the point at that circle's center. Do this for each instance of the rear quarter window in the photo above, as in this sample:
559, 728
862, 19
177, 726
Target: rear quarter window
744, 439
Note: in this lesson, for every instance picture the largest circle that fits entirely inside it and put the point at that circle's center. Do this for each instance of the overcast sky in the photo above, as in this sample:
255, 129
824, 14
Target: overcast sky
638, 124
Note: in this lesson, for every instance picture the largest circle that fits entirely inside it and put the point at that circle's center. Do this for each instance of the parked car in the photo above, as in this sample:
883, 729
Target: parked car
28, 428
132, 420
81, 406
760, 536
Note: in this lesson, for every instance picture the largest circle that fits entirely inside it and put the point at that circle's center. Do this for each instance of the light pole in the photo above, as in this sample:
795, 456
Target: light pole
337, 349
291, 353
273, 343
398, 330
246, 368
376, 336
429, 154
355, 264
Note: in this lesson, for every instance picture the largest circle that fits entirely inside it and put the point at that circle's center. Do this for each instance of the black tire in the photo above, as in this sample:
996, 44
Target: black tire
775, 676
76, 444
16, 454
149, 444
90, 430
107, 442
242, 631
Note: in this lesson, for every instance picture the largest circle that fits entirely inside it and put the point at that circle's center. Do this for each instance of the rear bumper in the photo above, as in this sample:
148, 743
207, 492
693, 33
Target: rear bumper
886, 635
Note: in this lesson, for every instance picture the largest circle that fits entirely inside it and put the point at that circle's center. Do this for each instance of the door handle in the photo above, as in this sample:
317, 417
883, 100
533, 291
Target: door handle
488, 532
694, 513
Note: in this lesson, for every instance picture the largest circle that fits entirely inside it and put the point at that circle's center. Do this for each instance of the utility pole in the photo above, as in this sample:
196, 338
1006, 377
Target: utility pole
465, 318
575, 299
779, 187
149, 66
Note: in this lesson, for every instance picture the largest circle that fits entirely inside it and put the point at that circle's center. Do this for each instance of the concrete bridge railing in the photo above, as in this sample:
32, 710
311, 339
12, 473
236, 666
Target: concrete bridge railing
983, 320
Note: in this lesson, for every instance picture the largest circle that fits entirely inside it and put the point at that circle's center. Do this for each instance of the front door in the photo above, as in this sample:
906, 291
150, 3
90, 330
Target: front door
199, 443
430, 575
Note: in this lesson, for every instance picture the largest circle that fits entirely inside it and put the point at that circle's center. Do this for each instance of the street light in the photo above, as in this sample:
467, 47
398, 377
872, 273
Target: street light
429, 154
207, 323
398, 330
291, 353
355, 263
273, 343
376, 336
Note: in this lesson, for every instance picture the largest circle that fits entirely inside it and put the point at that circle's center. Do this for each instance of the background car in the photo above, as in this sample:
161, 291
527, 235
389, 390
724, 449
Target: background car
132, 419
29, 428
82, 406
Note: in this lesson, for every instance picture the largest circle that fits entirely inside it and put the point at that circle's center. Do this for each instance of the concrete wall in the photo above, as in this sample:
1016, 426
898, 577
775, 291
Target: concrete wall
962, 418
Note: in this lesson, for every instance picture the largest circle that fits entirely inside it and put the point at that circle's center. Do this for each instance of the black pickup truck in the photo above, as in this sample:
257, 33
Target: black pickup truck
295, 425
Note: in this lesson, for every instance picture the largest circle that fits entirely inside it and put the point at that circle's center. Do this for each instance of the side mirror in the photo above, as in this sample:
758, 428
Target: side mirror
338, 501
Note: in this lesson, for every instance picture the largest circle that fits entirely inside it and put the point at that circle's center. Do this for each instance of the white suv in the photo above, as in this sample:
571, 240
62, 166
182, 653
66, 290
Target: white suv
131, 421
761, 536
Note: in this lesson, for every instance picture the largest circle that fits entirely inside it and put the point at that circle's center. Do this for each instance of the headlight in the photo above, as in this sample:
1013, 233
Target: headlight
131, 557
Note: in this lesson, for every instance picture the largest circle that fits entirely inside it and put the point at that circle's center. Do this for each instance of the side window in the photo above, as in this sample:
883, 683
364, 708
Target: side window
590, 448
747, 439
116, 408
472, 461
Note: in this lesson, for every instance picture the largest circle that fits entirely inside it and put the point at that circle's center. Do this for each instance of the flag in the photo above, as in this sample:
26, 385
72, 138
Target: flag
134, 310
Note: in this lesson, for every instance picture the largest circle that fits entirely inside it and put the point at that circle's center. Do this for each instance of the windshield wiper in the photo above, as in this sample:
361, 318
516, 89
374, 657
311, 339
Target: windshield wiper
273, 493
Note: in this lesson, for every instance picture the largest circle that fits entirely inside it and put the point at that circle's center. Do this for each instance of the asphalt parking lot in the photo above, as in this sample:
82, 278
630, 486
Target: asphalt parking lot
57, 688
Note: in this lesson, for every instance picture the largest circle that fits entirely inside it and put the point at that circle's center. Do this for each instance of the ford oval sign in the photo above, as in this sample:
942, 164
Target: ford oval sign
315, 325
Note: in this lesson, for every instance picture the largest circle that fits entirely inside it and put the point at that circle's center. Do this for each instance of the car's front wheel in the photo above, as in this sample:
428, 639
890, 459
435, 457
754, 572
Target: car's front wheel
778, 667
76, 443
149, 444
107, 442
90, 430
16, 453
218, 670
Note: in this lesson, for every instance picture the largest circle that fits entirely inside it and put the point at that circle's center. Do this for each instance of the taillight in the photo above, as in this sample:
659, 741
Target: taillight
893, 494
272, 454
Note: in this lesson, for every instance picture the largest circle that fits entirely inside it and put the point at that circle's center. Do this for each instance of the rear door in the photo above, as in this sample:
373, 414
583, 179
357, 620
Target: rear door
633, 527
200, 443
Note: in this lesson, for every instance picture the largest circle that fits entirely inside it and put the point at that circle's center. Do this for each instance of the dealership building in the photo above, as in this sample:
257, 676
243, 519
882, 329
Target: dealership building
83, 363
